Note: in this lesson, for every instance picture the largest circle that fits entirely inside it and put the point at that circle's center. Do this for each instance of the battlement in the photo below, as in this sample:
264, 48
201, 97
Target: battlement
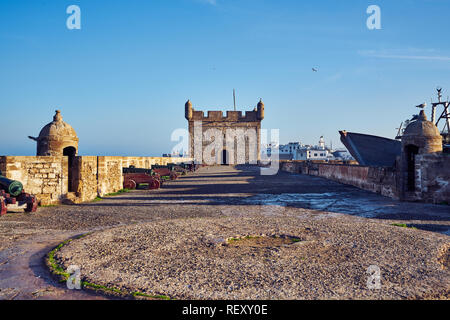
230, 116
256, 115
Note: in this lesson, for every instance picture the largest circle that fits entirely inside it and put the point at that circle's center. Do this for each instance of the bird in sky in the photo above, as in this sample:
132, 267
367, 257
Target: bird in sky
314, 69
421, 106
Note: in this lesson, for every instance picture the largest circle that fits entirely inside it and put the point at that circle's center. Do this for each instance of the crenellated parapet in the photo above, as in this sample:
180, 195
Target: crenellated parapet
255, 115
219, 116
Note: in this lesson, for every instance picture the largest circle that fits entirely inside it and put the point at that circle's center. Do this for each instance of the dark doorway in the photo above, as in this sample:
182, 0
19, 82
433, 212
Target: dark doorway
411, 151
224, 157
70, 152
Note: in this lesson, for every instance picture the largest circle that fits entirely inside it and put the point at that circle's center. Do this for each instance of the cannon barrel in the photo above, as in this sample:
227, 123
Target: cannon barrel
13, 187
137, 170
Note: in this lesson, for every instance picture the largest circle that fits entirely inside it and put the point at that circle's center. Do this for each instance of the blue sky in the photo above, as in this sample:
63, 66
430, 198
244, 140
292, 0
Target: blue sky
122, 80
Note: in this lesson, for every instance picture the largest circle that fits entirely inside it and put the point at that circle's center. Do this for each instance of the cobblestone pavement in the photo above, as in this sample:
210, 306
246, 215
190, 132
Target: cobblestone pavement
344, 230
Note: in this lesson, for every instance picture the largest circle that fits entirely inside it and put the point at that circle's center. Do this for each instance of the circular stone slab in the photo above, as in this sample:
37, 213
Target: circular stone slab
264, 258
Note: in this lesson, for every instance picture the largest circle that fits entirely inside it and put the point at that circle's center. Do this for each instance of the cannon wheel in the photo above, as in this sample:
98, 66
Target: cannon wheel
2, 206
31, 205
129, 184
154, 184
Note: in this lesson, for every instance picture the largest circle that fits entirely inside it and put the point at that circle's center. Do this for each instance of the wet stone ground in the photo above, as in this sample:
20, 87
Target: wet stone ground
231, 233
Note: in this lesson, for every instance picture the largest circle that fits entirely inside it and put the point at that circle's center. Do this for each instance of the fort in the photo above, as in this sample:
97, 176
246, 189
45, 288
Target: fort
227, 231
57, 174
246, 134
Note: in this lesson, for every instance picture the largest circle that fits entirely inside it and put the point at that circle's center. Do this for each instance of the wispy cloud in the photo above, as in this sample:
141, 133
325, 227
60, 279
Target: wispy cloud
403, 56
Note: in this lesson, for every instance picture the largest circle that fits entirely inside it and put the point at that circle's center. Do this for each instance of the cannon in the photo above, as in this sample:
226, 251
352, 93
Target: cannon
133, 177
180, 168
184, 167
166, 172
13, 187
12, 196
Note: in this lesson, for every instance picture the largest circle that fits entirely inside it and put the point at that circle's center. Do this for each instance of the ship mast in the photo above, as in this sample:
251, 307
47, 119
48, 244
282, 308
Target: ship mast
444, 115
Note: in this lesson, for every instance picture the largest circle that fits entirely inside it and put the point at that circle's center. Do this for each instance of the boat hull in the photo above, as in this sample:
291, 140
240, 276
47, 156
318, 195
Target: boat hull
371, 150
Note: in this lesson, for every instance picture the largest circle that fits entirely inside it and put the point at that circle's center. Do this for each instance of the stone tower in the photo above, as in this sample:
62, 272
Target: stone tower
57, 138
420, 137
236, 137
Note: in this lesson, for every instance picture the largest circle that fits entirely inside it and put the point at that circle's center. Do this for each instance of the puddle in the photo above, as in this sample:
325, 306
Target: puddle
332, 202
369, 206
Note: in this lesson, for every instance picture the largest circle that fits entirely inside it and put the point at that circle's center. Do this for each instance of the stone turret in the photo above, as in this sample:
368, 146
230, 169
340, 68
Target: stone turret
420, 138
188, 110
260, 110
57, 138
422, 134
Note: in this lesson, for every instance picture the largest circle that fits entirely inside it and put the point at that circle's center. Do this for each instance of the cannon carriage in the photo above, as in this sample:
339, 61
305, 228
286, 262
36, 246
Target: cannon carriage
166, 172
133, 177
183, 168
13, 197
154, 177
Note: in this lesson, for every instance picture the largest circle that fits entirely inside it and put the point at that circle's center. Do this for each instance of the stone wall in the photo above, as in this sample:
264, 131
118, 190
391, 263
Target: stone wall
432, 173
45, 177
432, 177
85, 180
382, 180
101, 175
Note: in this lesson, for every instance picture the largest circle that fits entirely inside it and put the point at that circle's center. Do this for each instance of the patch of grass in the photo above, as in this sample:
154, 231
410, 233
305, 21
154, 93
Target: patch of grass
110, 195
56, 269
231, 240
403, 225
47, 205
54, 266
117, 193
141, 294
86, 284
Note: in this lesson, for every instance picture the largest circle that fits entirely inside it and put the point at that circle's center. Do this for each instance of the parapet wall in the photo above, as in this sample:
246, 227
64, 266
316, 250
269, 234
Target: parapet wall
92, 176
45, 177
375, 179
432, 173
101, 175
230, 116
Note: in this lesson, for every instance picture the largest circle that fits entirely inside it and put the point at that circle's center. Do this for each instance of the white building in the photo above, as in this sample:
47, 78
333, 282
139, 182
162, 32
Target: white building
313, 153
297, 151
287, 151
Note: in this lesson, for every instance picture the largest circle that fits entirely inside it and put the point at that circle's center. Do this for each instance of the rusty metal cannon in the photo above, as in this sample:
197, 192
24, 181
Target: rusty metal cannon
166, 172
13, 197
179, 168
184, 167
133, 177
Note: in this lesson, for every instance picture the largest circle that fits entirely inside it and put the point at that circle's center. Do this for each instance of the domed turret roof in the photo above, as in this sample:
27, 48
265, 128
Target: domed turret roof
57, 128
422, 127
